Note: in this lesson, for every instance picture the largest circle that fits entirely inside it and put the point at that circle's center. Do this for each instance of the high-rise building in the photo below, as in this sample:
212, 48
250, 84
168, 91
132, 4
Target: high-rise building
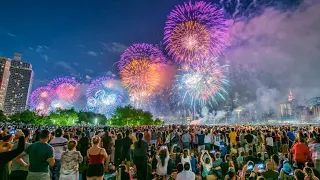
4, 78
19, 85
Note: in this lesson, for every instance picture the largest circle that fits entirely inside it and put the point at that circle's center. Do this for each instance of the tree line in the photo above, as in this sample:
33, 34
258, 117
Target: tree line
122, 116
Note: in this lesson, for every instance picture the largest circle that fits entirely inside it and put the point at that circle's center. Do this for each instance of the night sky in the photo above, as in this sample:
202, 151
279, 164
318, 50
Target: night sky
85, 39
64, 38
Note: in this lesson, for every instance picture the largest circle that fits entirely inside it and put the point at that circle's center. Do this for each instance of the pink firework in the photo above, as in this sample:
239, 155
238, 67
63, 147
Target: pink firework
67, 89
41, 98
141, 51
195, 31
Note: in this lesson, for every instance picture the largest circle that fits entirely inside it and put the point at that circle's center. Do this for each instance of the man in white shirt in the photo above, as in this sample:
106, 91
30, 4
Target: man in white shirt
186, 173
59, 145
207, 140
269, 142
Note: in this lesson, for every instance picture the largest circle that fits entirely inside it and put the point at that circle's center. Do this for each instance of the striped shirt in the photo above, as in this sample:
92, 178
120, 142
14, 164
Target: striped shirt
59, 145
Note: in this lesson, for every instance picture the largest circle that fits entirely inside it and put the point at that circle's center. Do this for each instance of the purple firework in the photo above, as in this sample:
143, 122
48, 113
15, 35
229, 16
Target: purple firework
194, 31
41, 98
141, 51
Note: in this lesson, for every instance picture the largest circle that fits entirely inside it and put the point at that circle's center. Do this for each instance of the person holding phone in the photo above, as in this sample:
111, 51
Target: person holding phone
162, 158
207, 164
247, 169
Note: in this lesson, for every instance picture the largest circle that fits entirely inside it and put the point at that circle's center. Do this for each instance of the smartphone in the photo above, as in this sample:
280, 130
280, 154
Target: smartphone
250, 168
212, 152
164, 147
291, 174
12, 131
261, 166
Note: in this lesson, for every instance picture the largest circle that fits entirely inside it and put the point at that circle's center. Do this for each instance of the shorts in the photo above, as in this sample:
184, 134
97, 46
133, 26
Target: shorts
95, 170
38, 176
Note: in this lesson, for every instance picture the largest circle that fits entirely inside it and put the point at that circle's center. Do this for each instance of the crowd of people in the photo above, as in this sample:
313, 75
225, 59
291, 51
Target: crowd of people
175, 152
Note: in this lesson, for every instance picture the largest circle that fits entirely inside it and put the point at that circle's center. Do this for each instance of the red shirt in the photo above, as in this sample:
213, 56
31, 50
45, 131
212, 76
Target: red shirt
300, 152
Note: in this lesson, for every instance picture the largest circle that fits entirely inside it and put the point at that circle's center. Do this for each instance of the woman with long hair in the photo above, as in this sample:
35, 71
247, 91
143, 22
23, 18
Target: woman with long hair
162, 158
207, 164
140, 157
97, 156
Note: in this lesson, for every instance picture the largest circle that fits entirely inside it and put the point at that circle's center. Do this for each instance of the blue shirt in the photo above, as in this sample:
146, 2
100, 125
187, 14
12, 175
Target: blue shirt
290, 135
224, 151
193, 164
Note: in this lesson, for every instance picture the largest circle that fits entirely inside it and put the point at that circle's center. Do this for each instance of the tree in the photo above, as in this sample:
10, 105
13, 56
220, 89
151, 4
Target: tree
129, 116
64, 117
3, 117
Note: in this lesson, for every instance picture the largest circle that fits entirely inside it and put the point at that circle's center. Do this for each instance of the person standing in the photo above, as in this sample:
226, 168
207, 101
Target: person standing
40, 157
201, 145
97, 157
233, 136
291, 138
118, 150
249, 141
59, 145
301, 153
107, 143
207, 140
186, 139
270, 144
315, 153
70, 161
153, 137
126, 144
140, 157
84, 146
18, 171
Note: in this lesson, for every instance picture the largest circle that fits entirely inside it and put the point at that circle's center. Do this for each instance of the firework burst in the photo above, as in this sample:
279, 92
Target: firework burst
67, 89
195, 31
141, 51
140, 76
40, 99
203, 84
103, 96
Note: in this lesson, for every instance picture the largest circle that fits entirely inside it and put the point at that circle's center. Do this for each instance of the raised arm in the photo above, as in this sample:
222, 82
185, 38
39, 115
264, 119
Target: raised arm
201, 157
8, 156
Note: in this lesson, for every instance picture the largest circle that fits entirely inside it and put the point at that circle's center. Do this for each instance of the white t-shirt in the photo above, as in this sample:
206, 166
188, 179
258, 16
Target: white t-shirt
269, 141
59, 145
207, 139
184, 160
217, 140
189, 175
162, 170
